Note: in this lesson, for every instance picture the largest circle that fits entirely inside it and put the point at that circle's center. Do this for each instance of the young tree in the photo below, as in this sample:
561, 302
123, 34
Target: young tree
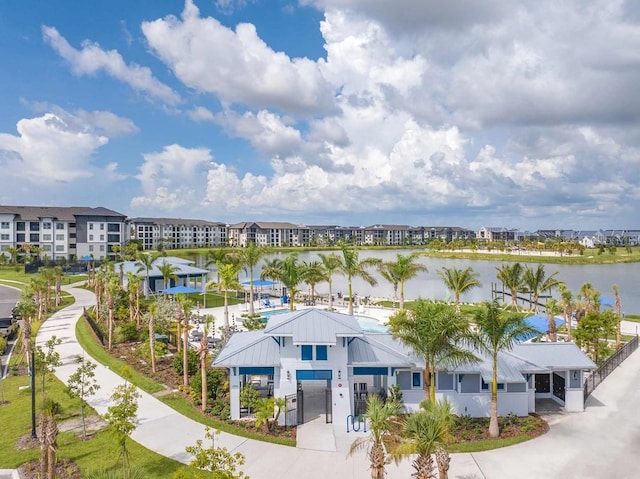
213, 462
248, 258
48, 359
552, 309
48, 439
203, 354
228, 274
512, 279
331, 264
435, 332
566, 303
122, 418
184, 309
537, 282
618, 309
82, 384
459, 281
145, 263
400, 271
381, 418
313, 273
592, 333
495, 333
168, 272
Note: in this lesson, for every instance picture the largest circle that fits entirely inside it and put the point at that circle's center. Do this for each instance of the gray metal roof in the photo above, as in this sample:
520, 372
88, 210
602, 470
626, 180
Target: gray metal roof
313, 326
62, 213
561, 355
376, 349
510, 368
185, 267
249, 348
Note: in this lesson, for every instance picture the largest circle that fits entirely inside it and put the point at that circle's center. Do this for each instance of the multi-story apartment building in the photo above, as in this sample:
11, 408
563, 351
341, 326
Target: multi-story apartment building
177, 233
496, 234
266, 233
61, 232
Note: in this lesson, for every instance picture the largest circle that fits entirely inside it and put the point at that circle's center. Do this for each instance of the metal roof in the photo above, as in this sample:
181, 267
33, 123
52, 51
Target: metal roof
249, 348
61, 213
378, 349
184, 266
313, 326
510, 368
559, 355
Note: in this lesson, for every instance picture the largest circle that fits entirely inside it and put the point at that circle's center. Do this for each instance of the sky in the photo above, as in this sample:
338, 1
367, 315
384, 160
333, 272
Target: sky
346, 112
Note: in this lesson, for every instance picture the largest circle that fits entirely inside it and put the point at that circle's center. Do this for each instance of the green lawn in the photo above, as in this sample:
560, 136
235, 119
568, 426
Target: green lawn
487, 444
100, 452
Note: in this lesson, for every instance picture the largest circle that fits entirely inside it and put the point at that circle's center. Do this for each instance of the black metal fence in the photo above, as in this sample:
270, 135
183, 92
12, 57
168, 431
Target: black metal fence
608, 366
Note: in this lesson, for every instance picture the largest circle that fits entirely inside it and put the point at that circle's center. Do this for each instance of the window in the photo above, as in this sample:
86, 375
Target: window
90, 237
46, 248
46, 225
4, 225
445, 381
102, 226
20, 237
485, 386
416, 380
113, 228
59, 247
34, 237
321, 353
101, 247
59, 237
20, 226
101, 237
46, 237
4, 237
59, 226
307, 352
90, 226
34, 226
90, 247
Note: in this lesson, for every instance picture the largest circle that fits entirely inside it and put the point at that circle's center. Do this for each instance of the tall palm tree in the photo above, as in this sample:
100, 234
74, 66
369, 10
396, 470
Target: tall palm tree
400, 271
331, 264
353, 267
436, 333
57, 271
566, 303
537, 282
228, 282
588, 291
495, 333
381, 418
145, 263
618, 308
248, 258
150, 318
112, 291
512, 279
459, 281
216, 257
203, 354
313, 273
184, 310
290, 273
48, 439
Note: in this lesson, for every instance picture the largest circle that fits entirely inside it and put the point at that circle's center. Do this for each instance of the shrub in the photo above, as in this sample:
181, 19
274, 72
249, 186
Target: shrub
216, 383
144, 351
127, 332
192, 362
3, 345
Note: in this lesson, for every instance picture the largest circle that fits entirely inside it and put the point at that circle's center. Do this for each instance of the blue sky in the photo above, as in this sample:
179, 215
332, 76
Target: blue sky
347, 112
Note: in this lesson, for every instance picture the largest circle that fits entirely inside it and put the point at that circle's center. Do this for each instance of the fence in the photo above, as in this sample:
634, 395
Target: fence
608, 366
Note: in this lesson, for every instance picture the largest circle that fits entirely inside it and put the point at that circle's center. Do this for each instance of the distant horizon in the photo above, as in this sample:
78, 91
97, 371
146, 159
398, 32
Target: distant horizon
344, 112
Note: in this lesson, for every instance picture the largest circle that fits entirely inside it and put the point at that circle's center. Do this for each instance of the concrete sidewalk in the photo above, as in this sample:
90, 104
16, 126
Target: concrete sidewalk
602, 442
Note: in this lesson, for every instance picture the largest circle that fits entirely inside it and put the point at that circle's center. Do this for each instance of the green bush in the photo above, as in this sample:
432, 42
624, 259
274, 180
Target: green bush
3, 345
127, 332
144, 351
192, 362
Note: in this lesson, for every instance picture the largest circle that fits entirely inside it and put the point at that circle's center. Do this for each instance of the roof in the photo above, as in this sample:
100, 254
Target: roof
510, 368
62, 213
173, 222
374, 349
313, 326
249, 348
184, 267
559, 355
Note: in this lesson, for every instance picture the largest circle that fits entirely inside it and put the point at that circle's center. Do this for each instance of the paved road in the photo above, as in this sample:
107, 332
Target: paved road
600, 443
8, 298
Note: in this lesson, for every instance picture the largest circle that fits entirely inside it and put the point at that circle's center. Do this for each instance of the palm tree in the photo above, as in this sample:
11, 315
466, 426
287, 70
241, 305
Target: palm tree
290, 273
427, 432
48, 439
552, 309
537, 282
145, 263
495, 333
57, 271
133, 291
435, 332
381, 422
406, 268
168, 272
203, 354
184, 310
588, 291
331, 264
512, 279
228, 274
216, 257
566, 303
618, 307
459, 281
112, 291
150, 318
353, 267
248, 258
313, 273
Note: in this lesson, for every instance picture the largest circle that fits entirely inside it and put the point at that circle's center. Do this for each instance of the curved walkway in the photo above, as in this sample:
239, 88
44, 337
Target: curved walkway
602, 442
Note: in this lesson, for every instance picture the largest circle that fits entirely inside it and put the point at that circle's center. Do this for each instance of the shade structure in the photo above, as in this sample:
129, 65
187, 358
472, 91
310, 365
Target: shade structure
180, 289
540, 323
259, 282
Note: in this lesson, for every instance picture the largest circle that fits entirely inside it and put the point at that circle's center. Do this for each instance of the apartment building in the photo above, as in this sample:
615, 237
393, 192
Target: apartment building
177, 233
266, 233
61, 232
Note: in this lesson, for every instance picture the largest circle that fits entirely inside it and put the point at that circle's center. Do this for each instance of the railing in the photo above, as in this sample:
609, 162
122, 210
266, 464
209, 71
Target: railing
608, 366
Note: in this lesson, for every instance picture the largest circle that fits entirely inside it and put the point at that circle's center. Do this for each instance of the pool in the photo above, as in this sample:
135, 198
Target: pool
267, 314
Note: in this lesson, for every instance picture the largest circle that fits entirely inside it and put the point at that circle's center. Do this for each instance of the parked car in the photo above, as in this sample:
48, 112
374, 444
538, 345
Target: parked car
8, 327
213, 342
196, 335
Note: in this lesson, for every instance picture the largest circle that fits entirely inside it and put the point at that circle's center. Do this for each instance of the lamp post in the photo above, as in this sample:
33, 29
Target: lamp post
33, 394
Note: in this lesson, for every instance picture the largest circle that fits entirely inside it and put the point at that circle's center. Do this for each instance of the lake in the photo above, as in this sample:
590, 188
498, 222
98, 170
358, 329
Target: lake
429, 285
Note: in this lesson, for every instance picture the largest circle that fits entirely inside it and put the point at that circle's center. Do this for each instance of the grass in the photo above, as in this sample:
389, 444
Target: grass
487, 444
100, 452
96, 351
634, 318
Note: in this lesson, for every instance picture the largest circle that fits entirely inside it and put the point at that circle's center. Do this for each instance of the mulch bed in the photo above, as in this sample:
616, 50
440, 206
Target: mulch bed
65, 469
468, 429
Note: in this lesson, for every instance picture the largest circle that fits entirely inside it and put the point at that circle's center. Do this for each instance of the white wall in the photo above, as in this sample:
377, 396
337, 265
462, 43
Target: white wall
479, 405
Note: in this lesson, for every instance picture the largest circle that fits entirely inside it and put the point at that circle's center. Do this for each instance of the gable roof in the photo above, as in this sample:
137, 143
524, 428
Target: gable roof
313, 326
375, 349
511, 368
249, 348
